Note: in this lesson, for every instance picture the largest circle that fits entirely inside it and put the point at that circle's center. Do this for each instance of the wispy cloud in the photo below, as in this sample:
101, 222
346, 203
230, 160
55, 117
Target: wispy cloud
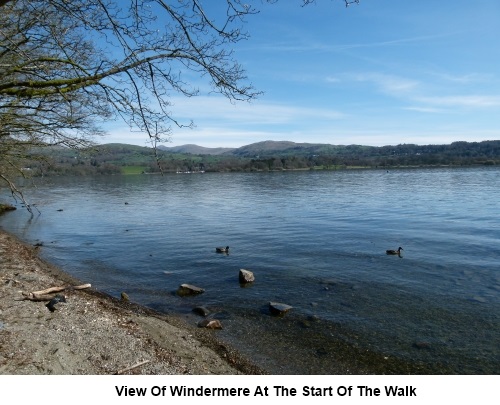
220, 109
389, 84
328, 47
465, 78
431, 110
423, 95
473, 101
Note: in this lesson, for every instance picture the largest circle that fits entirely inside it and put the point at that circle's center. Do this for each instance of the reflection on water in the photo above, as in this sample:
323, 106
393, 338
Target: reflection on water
314, 240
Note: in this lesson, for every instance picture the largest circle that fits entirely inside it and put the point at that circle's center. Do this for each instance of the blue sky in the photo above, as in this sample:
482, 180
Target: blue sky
383, 72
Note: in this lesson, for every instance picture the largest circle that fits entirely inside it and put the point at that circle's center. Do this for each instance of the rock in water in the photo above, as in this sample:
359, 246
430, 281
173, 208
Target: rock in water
201, 311
246, 276
279, 309
210, 324
188, 289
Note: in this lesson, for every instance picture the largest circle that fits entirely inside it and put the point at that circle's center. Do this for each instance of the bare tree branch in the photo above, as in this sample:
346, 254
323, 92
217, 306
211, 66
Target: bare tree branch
66, 66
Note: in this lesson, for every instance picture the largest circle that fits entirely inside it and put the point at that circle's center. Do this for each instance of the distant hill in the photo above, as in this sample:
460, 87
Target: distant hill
195, 150
267, 148
460, 149
260, 156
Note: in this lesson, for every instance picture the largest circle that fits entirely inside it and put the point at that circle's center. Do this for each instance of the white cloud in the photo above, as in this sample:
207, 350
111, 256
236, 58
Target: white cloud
328, 47
475, 101
390, 84
258, 112
425, 109
465, 78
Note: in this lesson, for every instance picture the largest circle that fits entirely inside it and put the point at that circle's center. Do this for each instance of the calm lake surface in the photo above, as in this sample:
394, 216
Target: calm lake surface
315, 241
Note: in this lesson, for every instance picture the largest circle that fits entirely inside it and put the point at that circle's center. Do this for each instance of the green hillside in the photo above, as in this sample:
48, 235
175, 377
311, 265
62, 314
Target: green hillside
261, 156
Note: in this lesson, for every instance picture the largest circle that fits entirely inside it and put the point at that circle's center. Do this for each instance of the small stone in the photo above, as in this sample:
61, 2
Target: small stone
313, 318
188, 289
201, 311
279, 309
320, 352
6, 207
210, 324
422, 345
305, 324
124, 297
329, 281
246, 276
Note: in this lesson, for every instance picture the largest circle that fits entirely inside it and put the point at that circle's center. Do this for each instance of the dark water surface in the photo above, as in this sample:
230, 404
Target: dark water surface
315, 241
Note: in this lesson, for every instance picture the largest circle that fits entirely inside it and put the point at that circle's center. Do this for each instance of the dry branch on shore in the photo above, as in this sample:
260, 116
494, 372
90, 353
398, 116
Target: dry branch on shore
45, 295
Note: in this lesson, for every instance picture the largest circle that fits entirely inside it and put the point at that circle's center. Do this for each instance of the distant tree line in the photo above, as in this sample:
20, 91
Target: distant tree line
115, 158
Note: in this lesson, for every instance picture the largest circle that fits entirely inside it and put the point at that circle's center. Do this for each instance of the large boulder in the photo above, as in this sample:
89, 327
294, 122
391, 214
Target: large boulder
188, 289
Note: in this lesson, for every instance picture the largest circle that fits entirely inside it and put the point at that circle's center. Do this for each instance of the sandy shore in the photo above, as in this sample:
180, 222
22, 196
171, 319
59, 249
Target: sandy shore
93, 333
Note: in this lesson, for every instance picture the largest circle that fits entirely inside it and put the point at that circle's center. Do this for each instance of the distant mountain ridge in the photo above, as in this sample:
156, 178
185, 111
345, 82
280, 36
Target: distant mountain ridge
264, 147
195, 149
268, 148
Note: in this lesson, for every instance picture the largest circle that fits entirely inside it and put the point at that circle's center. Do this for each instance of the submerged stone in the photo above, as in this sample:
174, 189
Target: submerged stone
422, 345
279, 309
188, 289
201, 311
210, 324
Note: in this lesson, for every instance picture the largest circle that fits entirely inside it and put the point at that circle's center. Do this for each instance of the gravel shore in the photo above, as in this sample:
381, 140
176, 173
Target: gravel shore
92, 333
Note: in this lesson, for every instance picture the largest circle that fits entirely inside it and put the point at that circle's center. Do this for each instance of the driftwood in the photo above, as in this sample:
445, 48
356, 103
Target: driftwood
45, 295
124, 370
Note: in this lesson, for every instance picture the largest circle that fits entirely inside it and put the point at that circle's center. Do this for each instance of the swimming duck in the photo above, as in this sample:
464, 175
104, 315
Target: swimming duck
222, 249
394, 252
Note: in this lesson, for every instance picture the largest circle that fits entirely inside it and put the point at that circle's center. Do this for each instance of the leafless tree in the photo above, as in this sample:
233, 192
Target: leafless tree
66, 65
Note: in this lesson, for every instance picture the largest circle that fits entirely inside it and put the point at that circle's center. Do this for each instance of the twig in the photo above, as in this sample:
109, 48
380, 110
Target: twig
124, 370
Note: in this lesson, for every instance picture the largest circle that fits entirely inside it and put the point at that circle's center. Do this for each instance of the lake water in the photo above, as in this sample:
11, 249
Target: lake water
315, 240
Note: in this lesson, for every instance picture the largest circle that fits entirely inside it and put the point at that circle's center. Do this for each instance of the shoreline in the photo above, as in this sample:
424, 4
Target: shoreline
93, 333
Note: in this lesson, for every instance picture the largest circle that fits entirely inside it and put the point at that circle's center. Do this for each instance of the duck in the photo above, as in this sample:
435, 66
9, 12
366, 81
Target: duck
394, 252
222, 249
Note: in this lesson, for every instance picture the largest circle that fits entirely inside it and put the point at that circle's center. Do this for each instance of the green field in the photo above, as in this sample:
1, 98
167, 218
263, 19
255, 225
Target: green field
133, 169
